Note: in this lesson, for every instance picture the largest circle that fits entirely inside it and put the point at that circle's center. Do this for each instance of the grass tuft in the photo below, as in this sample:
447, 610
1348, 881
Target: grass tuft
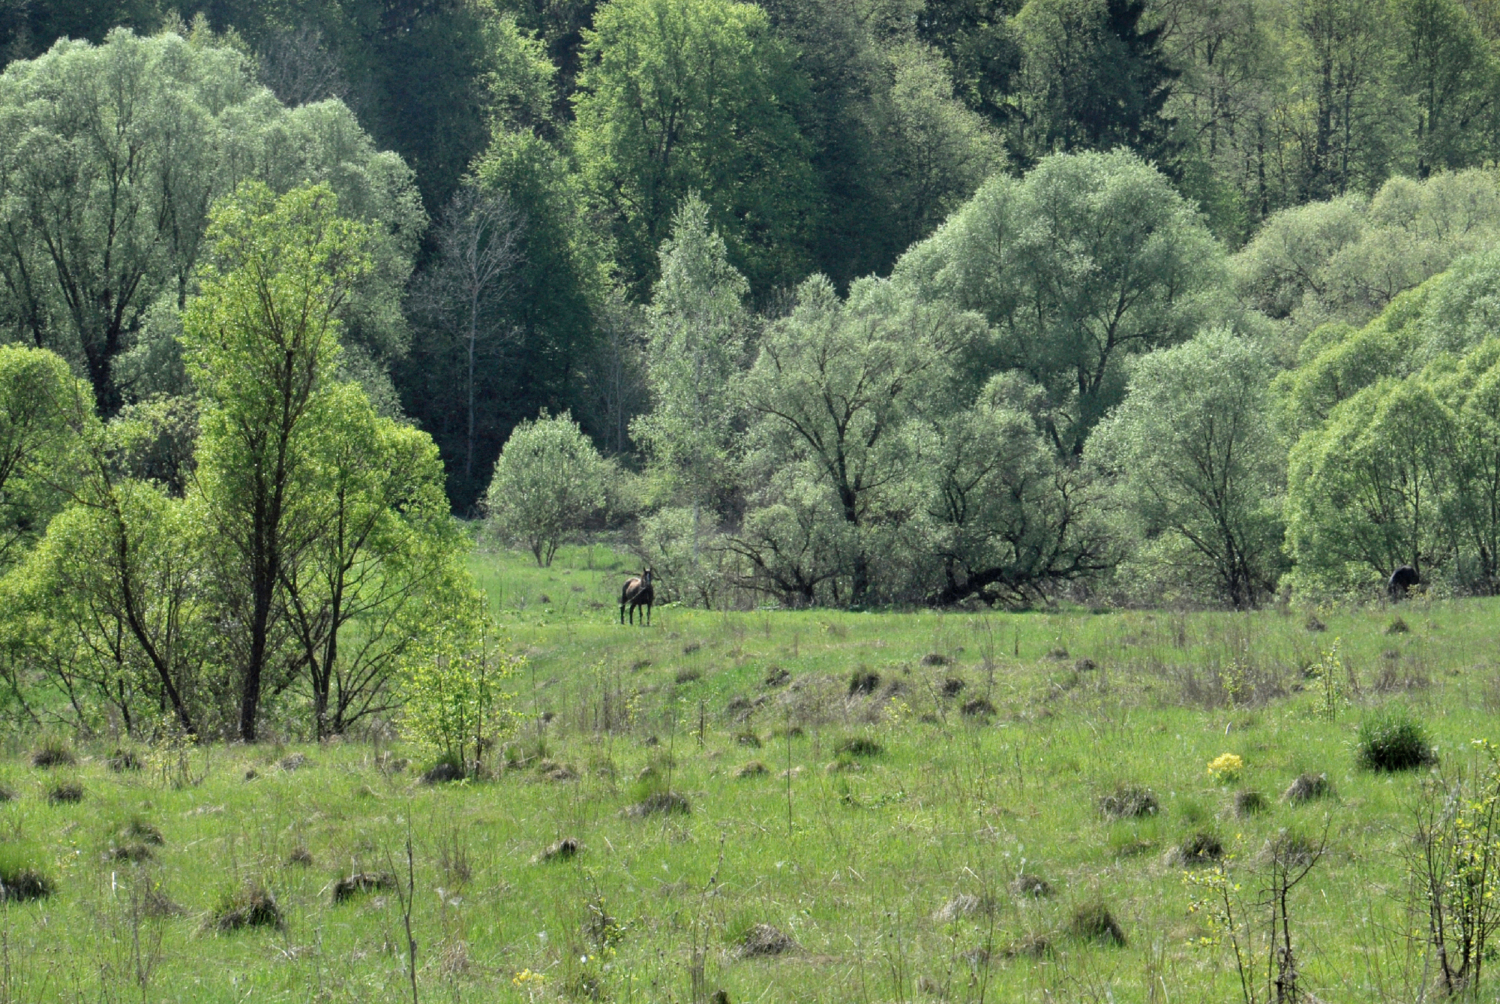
979, 707
252, 905
53, 753
21, 881
763, 940
1093, 921
935, 659
1308, 788
660, 803
1202, 848
443, 772
361, 883
863, 682
752, 769
1129, 801
66, 793
857, 746
1249, 803
962, 905
122, 760
1025, 886
565, 849
1391, 740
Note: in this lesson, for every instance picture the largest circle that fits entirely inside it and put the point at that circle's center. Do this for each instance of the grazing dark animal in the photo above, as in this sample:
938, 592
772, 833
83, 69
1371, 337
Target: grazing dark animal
1401, 580
637, 593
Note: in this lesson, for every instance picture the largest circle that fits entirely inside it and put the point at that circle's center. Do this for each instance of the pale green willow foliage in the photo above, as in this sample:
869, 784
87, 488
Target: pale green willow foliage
548, 482
1396, 452
695, 350
1197, 470
1345, 260
828, 394
110, 159
1084, 262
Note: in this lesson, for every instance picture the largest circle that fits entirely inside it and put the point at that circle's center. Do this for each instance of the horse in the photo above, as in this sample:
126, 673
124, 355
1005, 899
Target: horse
1402, 579
638, 593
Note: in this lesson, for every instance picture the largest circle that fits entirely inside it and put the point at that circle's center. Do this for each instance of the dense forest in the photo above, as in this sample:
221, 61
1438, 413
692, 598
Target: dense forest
844, 302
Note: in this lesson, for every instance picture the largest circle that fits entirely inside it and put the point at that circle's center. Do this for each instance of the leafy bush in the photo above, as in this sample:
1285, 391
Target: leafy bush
452, 697
548, 481
1392, 740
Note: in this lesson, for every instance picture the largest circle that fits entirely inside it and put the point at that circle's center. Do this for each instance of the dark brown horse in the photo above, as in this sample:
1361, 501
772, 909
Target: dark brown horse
638, 593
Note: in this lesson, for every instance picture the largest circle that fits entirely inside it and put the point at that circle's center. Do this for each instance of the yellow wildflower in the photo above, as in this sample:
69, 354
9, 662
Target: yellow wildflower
1226, 766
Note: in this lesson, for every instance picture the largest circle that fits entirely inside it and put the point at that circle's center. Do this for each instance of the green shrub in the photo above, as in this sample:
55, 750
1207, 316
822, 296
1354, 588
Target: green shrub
1392, 740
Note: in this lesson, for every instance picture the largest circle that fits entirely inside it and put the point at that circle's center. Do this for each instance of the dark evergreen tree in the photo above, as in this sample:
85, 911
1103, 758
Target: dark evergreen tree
1092, 78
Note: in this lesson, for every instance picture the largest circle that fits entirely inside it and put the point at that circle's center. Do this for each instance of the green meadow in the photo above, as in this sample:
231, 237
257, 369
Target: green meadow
780, 806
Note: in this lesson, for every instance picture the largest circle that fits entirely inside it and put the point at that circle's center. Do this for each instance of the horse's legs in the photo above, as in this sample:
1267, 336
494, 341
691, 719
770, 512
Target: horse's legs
648, 614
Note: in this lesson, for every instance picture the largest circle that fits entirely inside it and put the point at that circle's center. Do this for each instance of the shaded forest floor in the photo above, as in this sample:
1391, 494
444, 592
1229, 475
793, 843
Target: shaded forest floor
869, 807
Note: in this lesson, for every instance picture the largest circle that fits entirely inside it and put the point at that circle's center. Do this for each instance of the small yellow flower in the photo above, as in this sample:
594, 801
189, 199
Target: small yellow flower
526, 976
1226, 767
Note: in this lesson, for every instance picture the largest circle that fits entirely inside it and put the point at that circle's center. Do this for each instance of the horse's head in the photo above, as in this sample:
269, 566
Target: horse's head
647, 577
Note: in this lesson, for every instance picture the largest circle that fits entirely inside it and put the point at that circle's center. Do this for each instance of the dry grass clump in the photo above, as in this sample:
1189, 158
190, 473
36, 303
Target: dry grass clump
776, 676
935, 659
53, 753
292, 761
1033, 886
66, 793
752, 769
1129, 801
863, 682
1201, 848
748, 738
1249, 803
1057, 654
301, 857
562, 850
1032, 946
6, 795
660, 803
140, 830
1397, 626
158, 904
442, 773
362, 882
979, 707
860, 746
763, 940
551, 770
952, 687
687, 676
1313, 624
122, 760
1307, 788
1085, 665
962, 905
252, 905
1093, 922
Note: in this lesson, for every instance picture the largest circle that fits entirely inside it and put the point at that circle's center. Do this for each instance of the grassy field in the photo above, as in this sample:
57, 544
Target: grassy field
835, 789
